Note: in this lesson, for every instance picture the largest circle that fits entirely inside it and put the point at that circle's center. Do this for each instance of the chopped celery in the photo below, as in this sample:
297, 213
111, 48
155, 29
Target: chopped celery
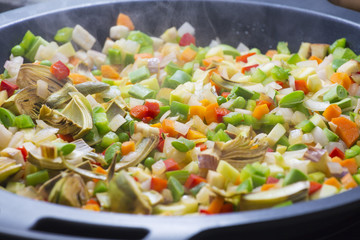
233, 118
24, 121
181, 109
180, 175
295, 175
176, 188
139, 74
242, 92
282, 47
141, 92
306, 126
338, 43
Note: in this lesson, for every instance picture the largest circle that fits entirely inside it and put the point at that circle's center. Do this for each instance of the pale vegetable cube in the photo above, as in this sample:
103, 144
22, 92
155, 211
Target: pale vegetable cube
228, 171
325, 191
186, 28
119, 31
83, 38
275, 134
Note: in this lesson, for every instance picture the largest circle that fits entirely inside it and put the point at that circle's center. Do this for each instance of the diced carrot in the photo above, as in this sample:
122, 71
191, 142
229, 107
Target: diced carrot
333, 182
207, 61
202, 146
78, 78
100, 170
92, 207
127, 147
205, 102
74, 60
158, 184
267, 186
270, 53
342, 79
227, 207
319, 60
192, 135
332, 111
188, 54
314, 187
260, 102
216, 205
143, 55
156, 125
301, 85
197, 110
348, 181
336, 159
210, 113
125, 20
108, 71
260, 111
168, 127
350, 164
99, 78
346, 129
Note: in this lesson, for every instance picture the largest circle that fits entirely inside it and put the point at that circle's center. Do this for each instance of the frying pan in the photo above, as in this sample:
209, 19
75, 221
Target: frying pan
255, 23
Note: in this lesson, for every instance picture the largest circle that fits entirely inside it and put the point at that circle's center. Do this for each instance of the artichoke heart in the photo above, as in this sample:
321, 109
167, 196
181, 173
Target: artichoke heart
61, 97
75, 119
295, 192
125, 195
242, 150
30, 73
143, 148
70, 190
8, 167
26, 101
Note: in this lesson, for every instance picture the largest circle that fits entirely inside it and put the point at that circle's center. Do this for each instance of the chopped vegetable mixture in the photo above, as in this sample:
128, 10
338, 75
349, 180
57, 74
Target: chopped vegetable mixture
160, 125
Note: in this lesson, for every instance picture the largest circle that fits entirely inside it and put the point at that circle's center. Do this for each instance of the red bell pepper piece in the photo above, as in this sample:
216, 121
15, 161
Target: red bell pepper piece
171, 165
336, 152
301, 85
193, 180
139, 111
9, 87
220, 113
202, 146
67, 138
146, 119
248, 68
158, 184
59, 70
24, 152
314, 186
243, 58
226, 208
271, 179
153, 108
187, 39
225, 94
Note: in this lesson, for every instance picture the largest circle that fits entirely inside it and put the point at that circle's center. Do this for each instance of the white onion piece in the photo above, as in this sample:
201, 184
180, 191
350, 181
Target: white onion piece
3, 97
319, 136
13, 66
181, 128
340, 145
357, 108
158, 168
307, 138
82, 146
171, 57
308, 63
322, 91
135, 102
227, 104
256, 88
243, 111
165, 115
108, 44
353, 89
97, 57
316, 105
286, 91
116, 122
17, 140
212, 125
59, 57
186, 28
145, 185
214, 43
287, 113
298, 154
42, 89
83, 38
292, 82
242, 48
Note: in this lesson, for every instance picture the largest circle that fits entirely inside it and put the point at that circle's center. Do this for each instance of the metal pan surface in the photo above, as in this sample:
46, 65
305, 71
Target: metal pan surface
256, 23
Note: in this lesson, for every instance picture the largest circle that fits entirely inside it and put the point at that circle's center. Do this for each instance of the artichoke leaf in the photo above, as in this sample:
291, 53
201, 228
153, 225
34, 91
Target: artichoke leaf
91, 87
142, 149
8, 167
70, 190
26, 101
60, 98
126, 196
30, 73
294, 192
75, 119
114, 108
47, 163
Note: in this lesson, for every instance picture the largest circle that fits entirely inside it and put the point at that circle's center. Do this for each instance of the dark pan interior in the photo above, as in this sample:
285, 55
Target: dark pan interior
256, 24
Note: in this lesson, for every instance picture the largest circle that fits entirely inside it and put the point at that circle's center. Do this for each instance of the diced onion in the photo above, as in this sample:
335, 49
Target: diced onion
158, 168
83, 38
3, 97
42, 89
116, 122
181, 128
242, 48
98, 57
243, 111
319, 136
165, 115
307, 138
308, 63
5, 136
316, 105
135, 102
186, 28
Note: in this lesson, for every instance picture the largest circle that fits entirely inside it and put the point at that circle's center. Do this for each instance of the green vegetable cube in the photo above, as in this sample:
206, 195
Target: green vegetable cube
139, 74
